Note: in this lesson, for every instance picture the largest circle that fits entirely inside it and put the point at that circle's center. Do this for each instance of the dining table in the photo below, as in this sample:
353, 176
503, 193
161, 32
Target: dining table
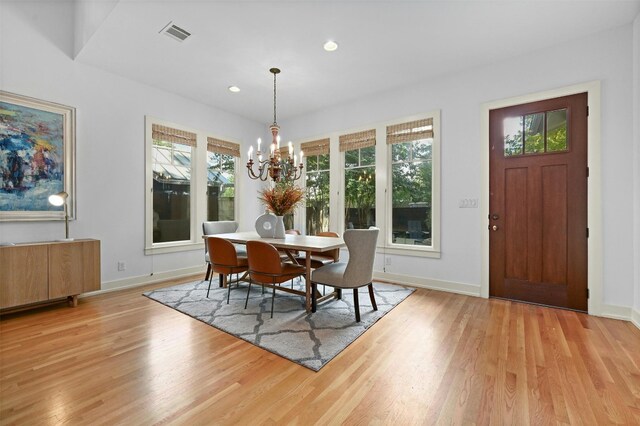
288, 244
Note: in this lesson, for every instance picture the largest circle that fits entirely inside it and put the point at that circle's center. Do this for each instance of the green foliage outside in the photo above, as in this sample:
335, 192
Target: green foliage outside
360, 188
412, 171
317, 196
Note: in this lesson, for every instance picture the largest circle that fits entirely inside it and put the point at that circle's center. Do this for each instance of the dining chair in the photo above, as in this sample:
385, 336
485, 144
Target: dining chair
355, 273
225, 261
267, 269
219, 227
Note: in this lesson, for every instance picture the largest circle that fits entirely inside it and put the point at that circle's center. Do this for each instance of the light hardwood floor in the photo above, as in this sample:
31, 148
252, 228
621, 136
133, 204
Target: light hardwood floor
120, 358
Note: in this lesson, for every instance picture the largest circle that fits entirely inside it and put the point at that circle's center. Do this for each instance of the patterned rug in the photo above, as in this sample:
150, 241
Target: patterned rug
310, 340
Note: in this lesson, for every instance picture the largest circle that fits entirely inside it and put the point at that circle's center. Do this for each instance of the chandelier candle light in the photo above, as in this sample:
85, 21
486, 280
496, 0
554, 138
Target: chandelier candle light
275, 166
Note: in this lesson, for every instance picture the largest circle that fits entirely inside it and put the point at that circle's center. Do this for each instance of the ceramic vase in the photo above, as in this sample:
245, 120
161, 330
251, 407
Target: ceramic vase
266, 224
280, 232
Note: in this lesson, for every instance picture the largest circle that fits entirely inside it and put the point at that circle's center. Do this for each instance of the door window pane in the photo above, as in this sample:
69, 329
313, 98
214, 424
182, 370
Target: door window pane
557, 130
220, 186
534, 133
512, 131
171, 191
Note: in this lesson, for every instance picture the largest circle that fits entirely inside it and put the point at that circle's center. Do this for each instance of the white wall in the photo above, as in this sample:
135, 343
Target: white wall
36, 45
605, 56
636, 163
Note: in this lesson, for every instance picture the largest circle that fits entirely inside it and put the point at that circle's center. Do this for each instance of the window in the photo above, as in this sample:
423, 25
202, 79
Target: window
221, 167
411, 148
317, 184
171, 163
190, 178
359, 179
544, 132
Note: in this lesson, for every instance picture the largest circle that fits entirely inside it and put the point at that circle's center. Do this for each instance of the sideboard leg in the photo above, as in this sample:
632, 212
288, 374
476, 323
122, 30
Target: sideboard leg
72, 300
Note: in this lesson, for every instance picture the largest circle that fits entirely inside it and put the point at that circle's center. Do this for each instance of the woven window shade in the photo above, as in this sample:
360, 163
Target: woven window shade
223, 147
319, 147
411, 131
357, 140
169, 134
284, 152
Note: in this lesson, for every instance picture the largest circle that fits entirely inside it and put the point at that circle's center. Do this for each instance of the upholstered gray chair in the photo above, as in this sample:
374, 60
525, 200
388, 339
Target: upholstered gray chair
219, 227
356, 273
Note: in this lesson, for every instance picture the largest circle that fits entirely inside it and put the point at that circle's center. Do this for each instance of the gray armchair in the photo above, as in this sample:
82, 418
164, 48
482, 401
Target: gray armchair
356, 273
219, 227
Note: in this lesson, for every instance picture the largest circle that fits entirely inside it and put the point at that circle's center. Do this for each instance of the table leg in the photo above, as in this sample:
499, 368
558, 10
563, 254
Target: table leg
307, 276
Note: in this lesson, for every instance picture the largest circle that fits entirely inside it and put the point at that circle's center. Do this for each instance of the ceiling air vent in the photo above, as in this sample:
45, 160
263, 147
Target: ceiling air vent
175, 32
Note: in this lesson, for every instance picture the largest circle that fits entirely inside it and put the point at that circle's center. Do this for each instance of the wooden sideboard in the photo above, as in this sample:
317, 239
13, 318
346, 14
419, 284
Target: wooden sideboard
39, 272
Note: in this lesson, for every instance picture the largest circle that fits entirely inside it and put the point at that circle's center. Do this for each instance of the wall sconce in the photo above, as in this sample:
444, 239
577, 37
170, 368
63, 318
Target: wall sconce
60, 199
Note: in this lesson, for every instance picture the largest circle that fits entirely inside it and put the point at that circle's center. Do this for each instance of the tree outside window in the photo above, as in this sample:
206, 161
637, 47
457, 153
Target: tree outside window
360, 188
220, 186
411, 172
317, 196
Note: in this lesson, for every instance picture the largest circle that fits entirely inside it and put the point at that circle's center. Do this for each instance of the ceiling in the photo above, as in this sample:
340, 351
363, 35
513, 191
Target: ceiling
383, 45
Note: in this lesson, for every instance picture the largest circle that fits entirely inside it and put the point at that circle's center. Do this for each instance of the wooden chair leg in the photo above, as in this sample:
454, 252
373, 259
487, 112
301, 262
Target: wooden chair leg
372, 297
356, 304
313, 297
248, 291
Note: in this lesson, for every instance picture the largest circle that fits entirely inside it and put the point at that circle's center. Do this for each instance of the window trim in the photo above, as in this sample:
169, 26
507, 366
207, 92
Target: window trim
198, 203
434, 249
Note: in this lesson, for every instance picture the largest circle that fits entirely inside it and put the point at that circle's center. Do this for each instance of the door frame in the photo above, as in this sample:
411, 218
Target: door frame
594, 185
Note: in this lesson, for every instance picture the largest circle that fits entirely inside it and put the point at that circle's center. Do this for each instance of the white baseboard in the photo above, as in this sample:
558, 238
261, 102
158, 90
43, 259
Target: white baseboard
615, 312
141, 280
635, 317
450, 286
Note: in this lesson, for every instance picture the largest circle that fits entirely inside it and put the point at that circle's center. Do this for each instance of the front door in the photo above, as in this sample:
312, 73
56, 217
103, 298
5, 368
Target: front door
538, 202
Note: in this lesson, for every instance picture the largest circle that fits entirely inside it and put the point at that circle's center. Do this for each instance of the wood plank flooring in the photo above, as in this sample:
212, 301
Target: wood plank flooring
438, 358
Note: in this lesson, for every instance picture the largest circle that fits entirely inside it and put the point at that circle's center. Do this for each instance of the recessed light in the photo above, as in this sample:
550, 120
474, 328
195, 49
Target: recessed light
330, 46
234, 89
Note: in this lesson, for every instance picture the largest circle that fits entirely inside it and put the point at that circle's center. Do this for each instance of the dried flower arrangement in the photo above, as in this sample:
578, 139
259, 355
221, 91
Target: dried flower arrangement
282, 199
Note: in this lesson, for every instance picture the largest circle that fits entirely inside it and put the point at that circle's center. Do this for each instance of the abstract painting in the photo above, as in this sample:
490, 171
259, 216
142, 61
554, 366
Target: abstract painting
36, 157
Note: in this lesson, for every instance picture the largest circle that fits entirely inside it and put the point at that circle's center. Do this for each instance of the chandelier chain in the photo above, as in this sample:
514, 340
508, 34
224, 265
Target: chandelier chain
274, 98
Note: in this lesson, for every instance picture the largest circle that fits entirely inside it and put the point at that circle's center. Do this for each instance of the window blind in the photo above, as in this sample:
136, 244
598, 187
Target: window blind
410, 131
220, 146
317, 147
357, 140
169, 134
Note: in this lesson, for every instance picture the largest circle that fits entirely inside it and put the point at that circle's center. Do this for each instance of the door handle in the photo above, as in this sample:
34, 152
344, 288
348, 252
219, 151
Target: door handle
494, 228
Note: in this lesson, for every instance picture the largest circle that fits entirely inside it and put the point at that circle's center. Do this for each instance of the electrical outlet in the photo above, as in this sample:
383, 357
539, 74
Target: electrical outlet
122, 266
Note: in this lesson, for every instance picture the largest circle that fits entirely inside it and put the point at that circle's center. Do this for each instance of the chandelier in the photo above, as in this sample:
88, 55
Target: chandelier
275, 166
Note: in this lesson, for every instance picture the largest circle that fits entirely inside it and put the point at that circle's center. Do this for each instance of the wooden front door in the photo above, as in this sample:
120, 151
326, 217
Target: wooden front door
538, 202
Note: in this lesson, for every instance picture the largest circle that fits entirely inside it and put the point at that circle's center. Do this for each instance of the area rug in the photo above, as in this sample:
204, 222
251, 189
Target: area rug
311, 340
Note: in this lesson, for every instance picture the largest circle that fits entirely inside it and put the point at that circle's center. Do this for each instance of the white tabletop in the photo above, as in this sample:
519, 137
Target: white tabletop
294, 242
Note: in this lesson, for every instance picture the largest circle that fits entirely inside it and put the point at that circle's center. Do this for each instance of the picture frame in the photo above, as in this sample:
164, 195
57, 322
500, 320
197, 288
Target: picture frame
37, 158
